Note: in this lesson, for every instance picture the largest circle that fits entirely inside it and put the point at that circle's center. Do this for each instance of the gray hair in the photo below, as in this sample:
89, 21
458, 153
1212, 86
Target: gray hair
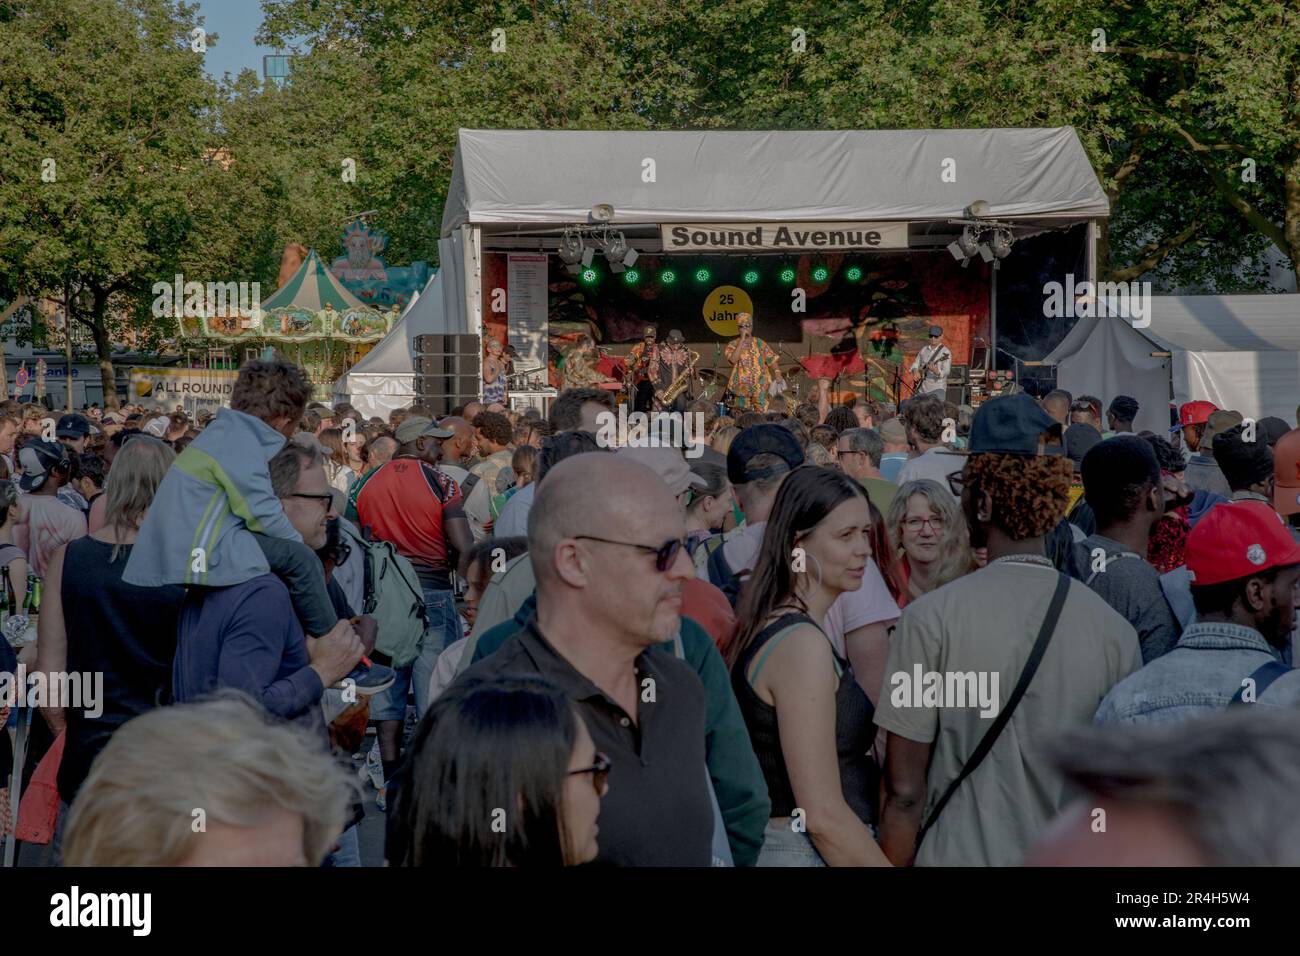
222, 755
867, 441
956, 557
1229, 780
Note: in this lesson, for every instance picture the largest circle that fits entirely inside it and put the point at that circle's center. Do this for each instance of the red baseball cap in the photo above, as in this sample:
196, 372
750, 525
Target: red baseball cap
1286, 473
1237, 539
1194, 413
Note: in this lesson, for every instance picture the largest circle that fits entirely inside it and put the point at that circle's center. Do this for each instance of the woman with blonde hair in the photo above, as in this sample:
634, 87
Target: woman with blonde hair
337, 471
723, 437
928, 529
91, 621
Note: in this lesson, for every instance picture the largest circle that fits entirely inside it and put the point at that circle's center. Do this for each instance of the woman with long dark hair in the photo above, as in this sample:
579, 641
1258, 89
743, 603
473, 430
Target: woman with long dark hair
499, 773
809, 721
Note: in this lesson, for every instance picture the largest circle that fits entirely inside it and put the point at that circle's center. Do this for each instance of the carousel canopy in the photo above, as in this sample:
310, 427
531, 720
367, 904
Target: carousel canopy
312, 288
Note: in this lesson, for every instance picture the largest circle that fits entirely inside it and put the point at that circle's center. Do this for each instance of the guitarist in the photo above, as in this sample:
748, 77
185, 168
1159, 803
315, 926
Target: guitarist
932, 365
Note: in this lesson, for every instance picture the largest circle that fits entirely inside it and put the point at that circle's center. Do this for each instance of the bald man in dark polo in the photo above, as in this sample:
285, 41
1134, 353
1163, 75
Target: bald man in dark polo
605, 598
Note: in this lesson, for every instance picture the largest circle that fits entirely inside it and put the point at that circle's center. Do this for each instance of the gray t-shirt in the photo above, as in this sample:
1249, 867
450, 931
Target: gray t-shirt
1131, 586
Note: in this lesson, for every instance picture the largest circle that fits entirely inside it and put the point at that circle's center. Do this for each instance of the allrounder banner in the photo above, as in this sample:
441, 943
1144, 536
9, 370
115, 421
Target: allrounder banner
782, 236
194, 388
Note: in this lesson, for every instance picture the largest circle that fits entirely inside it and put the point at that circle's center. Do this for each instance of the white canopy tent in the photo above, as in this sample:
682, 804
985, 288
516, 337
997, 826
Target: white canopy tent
1106, 357
1238, 351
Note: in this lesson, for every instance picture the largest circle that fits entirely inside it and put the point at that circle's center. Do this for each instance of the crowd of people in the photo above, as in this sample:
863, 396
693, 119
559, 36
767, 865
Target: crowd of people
852, 635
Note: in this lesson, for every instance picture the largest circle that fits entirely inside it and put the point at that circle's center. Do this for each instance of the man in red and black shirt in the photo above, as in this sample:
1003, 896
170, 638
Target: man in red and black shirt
412, 504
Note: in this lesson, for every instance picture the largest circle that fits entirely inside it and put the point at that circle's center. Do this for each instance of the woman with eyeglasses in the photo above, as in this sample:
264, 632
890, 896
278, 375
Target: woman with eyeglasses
499, 773
809, 720
932, 540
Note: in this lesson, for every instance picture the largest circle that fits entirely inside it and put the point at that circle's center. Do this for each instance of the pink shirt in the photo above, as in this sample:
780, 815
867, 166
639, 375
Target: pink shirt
50, 525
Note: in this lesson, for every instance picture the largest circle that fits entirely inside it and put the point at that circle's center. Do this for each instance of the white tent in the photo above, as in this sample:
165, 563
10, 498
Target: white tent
1237, 351
385, 379
1105, 357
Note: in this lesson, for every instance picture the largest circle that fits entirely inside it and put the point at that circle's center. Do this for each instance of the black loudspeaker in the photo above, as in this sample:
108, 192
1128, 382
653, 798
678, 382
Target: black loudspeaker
448, 371
959, 375
958, 394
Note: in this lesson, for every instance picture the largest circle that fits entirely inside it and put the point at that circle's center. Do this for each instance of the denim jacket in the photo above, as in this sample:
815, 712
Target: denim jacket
1200, 675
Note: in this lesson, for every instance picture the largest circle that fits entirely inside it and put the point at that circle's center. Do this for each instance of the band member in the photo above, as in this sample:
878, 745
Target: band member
932, 365
579, 369
494, 374
754, 367
674, 360
642, 367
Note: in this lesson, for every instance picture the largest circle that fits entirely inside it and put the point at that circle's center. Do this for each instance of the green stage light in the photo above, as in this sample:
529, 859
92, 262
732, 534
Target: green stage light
631, 277
589, 275
751, 277
821, 274
787, 274
668, 277
853, 274
701, 275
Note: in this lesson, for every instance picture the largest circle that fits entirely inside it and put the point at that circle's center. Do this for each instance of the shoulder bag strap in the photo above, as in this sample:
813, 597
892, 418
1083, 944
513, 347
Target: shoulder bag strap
1026, 675
1263, 676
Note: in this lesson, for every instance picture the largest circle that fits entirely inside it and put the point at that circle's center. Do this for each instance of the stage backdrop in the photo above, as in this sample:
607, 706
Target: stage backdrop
877, 304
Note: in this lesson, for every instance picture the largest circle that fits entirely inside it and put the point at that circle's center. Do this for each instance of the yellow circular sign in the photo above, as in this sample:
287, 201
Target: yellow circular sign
722, 306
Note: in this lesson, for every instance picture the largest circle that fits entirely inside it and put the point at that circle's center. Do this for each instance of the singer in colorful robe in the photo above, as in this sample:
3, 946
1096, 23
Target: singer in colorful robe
754, 367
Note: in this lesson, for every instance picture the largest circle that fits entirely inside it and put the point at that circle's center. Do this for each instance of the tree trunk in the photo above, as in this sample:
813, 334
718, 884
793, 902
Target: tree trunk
104, 351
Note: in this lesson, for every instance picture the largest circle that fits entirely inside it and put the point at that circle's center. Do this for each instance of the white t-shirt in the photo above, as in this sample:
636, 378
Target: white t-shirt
936, 464
869, 604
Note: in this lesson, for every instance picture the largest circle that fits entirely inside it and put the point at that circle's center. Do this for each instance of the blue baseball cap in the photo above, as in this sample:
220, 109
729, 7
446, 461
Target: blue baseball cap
1011, 425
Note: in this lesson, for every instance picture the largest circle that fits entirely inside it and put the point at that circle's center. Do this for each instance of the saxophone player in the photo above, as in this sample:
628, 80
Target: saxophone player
674, 384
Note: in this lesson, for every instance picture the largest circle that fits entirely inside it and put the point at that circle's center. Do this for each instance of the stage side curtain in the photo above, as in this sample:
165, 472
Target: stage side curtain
376, 394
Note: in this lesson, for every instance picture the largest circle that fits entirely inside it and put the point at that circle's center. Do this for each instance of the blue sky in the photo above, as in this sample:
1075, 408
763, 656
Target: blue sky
236, 22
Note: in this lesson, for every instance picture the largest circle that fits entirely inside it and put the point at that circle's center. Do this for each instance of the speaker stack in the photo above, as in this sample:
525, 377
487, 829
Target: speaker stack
448, 371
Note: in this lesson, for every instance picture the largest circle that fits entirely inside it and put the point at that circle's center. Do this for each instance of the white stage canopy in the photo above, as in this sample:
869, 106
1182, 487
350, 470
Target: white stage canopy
554, 177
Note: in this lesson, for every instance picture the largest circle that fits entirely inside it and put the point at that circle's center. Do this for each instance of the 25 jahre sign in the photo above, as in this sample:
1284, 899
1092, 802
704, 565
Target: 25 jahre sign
782, 236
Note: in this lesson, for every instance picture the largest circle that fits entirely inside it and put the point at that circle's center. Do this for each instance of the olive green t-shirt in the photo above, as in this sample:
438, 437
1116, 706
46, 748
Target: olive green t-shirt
986, 622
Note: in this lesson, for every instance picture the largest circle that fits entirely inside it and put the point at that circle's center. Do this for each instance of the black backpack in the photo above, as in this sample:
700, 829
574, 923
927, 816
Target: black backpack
723, 577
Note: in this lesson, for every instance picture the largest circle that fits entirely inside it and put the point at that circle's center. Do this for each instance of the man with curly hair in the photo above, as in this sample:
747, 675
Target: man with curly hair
981, 630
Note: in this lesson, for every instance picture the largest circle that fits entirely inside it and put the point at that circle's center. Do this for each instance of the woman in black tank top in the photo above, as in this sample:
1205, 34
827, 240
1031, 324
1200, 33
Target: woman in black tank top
809, 721
93, 622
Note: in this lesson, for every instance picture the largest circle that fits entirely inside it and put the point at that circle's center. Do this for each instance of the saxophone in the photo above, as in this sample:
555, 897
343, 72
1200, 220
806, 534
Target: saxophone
679, 384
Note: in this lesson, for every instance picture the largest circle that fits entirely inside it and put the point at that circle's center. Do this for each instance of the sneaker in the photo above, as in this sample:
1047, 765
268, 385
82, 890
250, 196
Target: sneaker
374, 768
368, 678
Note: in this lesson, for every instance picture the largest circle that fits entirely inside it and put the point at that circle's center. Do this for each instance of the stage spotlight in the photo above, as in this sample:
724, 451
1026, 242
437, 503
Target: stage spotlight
571, 248
590, 275
631, 277
668, 277
853, 273
821, 274
969, 241
1000, 242
751, 277
702, 275
615, 249
787, 275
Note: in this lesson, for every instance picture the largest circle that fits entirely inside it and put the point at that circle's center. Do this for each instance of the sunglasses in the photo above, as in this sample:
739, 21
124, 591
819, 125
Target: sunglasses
321, 497
665, 555
599, 773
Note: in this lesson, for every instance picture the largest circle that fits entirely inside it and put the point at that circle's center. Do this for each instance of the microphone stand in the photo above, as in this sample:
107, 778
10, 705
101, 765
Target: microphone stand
1015, 362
